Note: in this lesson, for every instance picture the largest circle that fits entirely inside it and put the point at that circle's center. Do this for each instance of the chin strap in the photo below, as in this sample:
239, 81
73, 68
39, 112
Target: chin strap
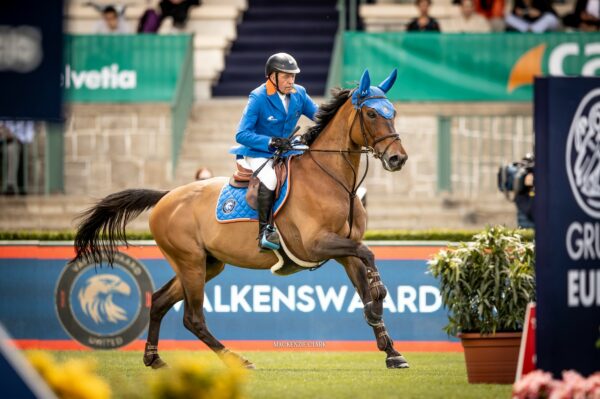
275, 83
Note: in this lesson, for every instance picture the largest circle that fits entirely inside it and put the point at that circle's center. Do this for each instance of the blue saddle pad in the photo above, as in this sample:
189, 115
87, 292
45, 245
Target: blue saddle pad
232, 205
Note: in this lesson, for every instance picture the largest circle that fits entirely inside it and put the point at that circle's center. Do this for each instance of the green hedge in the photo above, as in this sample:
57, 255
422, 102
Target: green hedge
379, 235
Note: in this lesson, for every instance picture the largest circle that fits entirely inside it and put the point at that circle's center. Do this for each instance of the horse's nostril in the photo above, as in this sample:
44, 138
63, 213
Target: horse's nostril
394, 160
404, 159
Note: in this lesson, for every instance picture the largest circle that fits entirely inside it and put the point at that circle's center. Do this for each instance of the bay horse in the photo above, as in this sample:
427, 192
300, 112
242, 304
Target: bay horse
322, 219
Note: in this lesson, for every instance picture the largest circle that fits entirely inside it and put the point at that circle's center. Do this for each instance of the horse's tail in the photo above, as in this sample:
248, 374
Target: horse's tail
102, 227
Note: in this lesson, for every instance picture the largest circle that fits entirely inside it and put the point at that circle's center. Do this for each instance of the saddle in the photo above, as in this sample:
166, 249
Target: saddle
243, 178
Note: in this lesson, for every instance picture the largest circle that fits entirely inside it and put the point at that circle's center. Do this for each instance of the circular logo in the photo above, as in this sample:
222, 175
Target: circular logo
583, 154
102, 307
229, 206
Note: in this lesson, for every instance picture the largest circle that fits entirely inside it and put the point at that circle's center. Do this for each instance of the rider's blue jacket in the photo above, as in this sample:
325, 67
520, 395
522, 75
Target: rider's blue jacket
265, 117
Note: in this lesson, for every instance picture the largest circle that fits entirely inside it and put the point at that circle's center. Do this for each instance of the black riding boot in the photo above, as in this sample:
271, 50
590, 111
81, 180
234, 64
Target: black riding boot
268, 239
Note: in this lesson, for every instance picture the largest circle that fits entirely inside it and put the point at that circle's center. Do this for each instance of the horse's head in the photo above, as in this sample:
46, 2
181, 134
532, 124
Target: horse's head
376, 116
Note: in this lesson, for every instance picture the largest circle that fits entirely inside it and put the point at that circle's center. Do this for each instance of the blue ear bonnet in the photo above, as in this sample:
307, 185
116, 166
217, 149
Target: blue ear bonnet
383, 106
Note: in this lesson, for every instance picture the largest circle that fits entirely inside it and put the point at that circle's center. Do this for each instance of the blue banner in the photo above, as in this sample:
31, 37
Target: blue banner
567, 215
43, 300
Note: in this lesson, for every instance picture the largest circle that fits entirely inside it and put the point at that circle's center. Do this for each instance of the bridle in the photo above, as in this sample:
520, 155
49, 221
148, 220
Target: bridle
370, 149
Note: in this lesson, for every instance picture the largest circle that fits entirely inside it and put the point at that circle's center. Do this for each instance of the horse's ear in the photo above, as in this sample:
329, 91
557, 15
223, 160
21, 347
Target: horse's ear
387, 84
365, 84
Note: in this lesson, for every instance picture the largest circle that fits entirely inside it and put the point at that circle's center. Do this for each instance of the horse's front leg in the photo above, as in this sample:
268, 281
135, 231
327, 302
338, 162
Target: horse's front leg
359, 262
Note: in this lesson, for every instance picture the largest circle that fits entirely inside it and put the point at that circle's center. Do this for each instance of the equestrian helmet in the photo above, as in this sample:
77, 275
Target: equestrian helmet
281, 62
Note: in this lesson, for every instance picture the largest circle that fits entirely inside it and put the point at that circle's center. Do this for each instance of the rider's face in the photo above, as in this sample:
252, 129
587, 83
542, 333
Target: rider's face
285, 81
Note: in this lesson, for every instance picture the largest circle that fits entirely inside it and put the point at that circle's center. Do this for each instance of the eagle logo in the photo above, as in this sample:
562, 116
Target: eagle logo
583, 154
229, 206
96, 298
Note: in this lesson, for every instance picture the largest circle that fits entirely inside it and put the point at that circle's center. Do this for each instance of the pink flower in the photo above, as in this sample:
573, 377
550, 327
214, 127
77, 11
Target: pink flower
534, 385
539, 384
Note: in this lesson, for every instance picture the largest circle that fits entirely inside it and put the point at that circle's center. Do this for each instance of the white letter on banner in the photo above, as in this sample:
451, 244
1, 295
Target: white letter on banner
572, 288
588, 241
425, 290
238, 298
289, 300
219, 307
590, 67
93, 80
558, 55
78, 78
331, 296
128, 79
355, 303
304, 293
260, 298
587, 287
206, 305
574, 254
407, 296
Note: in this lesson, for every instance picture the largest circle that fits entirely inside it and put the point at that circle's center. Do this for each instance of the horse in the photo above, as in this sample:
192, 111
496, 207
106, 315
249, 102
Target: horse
323, 219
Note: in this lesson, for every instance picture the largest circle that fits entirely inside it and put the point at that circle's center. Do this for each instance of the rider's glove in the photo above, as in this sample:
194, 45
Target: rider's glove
280, 144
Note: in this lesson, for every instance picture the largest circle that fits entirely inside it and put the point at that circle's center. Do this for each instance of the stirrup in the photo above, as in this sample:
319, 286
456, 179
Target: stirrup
269, 239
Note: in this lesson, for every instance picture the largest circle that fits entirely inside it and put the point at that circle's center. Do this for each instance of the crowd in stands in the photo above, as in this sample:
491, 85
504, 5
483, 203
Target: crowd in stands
113, 16
481, 16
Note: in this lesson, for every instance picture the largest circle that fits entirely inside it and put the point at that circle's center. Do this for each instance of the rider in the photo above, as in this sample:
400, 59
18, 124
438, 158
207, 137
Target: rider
268, 120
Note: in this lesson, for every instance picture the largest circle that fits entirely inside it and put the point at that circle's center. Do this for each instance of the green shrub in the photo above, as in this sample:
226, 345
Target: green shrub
487, 283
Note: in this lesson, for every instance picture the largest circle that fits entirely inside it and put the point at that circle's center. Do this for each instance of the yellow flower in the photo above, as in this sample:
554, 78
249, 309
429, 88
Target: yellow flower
191, 377
73, 379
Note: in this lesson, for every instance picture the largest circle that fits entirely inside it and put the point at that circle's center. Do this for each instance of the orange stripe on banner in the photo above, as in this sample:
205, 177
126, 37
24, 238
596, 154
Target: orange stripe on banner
404, 253
67, 252
153, 252
272, 346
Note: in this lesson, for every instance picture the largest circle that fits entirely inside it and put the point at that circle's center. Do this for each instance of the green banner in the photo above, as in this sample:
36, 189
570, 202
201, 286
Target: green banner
469, 67
123, 68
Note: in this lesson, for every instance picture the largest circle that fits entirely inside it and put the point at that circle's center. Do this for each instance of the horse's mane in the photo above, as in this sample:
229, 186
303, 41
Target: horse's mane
326, 112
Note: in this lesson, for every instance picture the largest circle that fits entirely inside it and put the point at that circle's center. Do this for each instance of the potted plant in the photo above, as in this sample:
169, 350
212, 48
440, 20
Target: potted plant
486, 285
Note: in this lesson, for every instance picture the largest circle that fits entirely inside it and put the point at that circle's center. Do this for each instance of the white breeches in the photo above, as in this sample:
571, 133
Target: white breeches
267, 173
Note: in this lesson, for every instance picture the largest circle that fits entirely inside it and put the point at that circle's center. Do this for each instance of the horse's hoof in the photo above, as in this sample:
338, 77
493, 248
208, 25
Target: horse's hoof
158, 363
396, 362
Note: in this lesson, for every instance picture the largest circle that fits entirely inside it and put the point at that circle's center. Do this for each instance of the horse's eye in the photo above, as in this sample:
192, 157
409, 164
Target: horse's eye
371, 114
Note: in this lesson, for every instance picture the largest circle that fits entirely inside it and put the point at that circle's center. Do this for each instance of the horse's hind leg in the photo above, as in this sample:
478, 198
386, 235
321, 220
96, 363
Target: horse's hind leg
162, 300
191, 271
362, 279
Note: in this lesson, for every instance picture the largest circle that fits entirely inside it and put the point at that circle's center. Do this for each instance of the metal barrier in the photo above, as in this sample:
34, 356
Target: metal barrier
471, 148
181, 105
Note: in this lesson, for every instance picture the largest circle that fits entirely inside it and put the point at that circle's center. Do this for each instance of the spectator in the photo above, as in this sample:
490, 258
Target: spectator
14, 135
468, 21
150, 19
493, 11
112, 21
532, 16
586, 16
203, 174
178, 10
423, 23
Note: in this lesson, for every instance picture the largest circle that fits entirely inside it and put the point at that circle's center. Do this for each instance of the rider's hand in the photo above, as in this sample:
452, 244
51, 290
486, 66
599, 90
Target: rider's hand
280, 143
